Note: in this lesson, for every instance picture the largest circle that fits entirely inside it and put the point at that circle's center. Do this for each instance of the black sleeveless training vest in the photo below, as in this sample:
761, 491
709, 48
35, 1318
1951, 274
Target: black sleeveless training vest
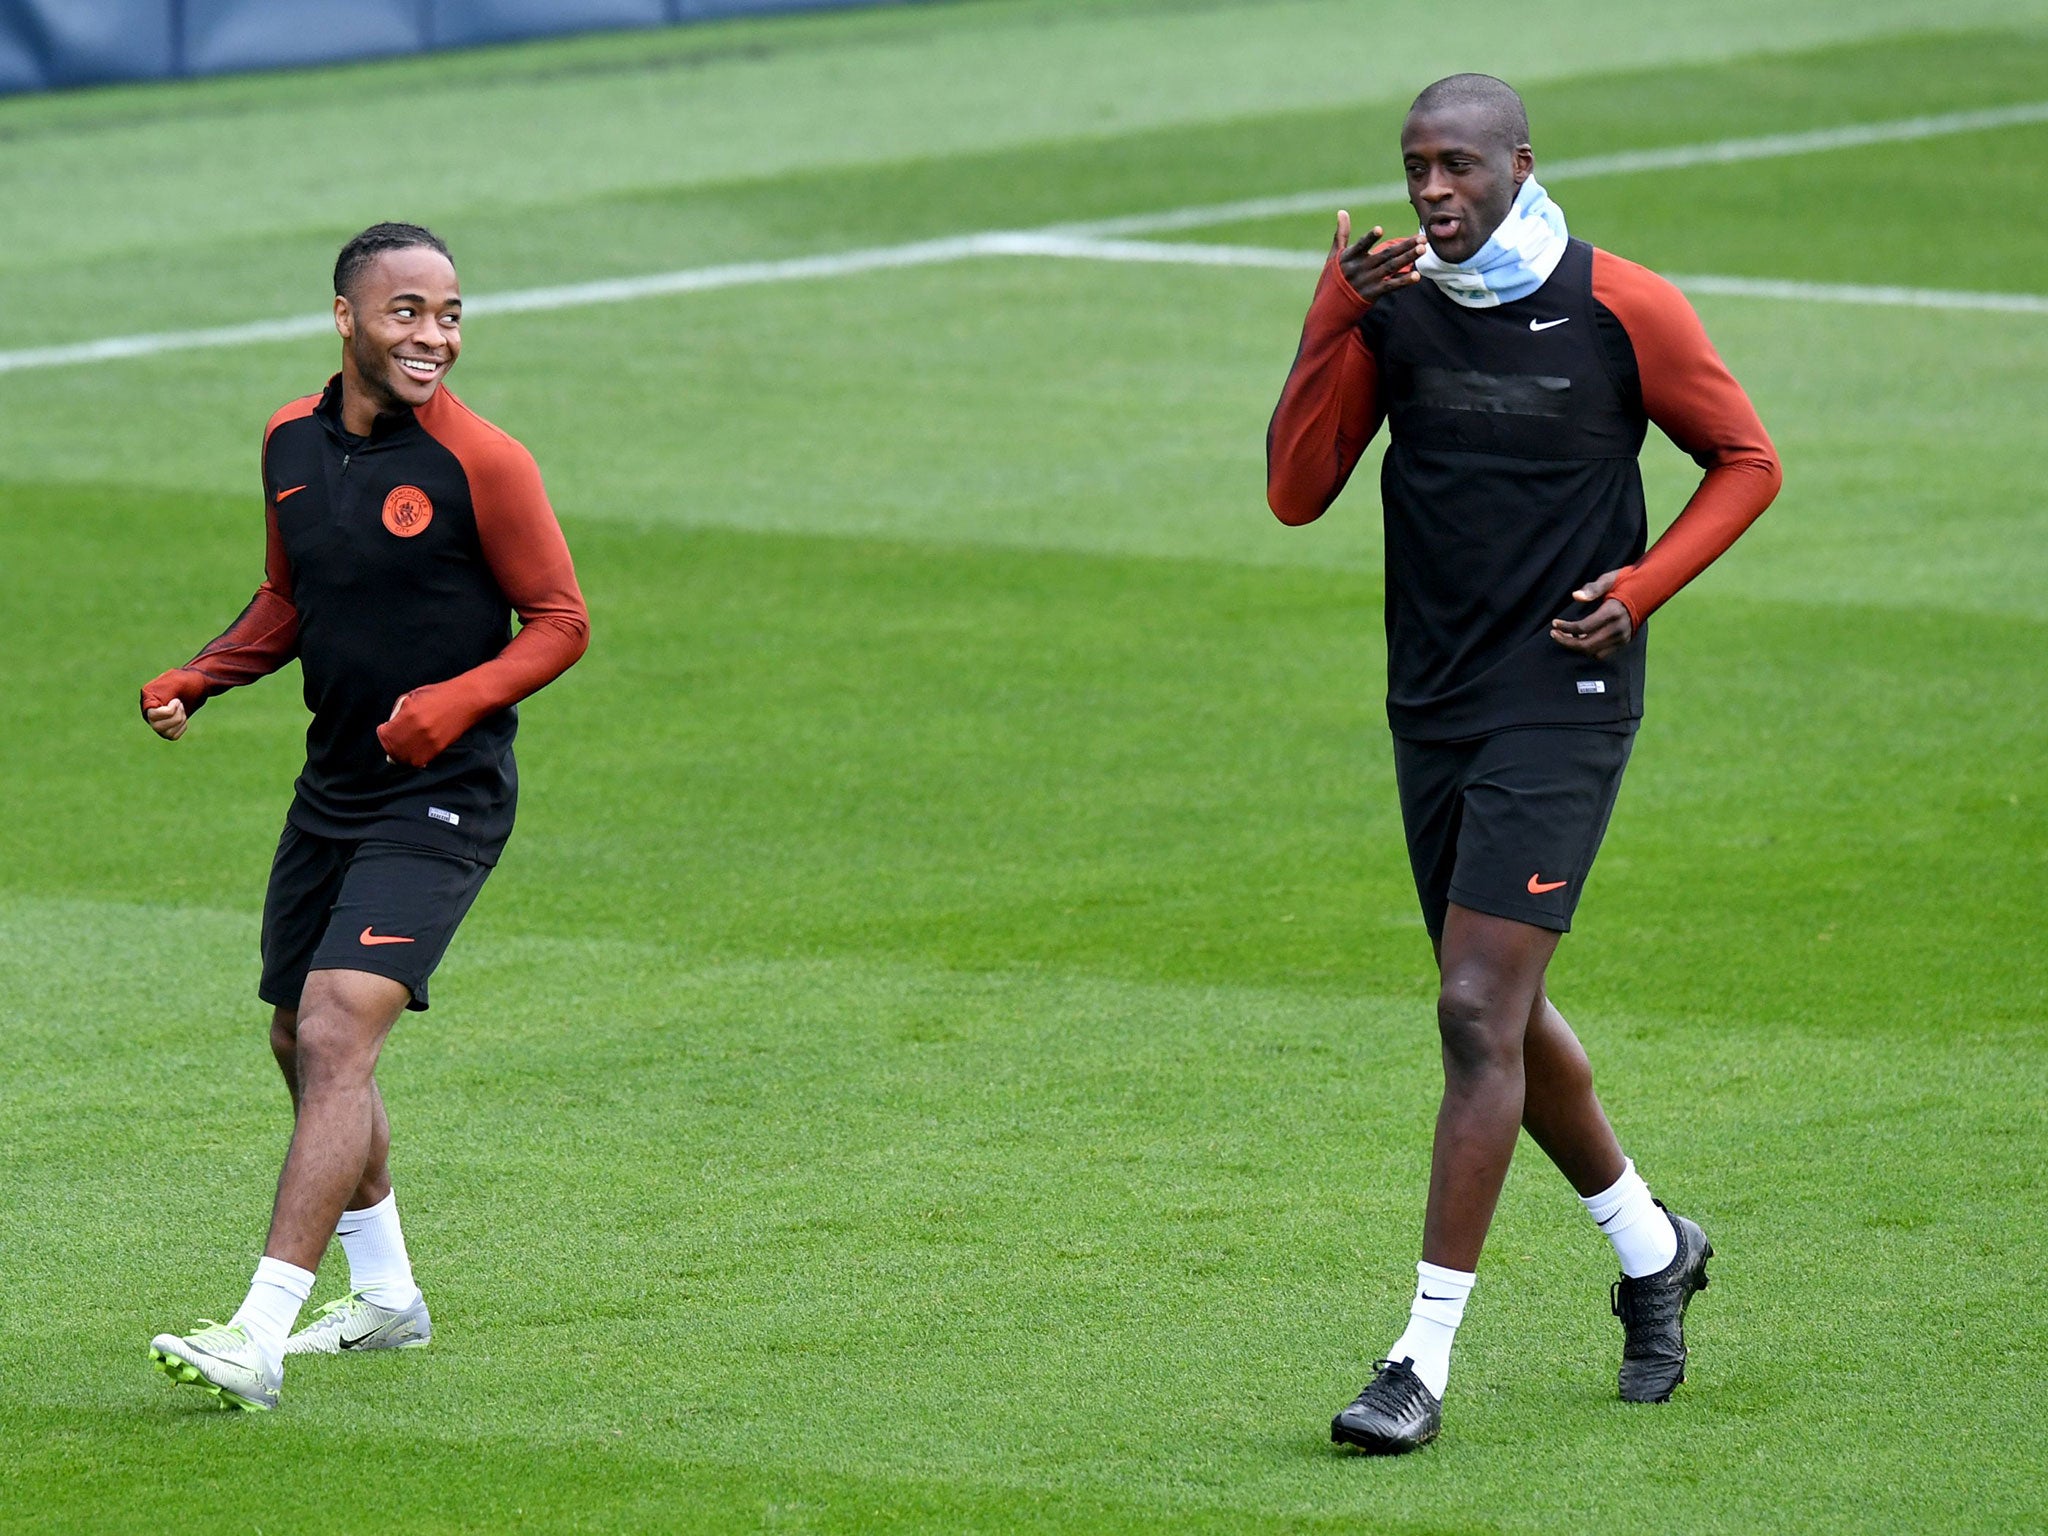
1510, 480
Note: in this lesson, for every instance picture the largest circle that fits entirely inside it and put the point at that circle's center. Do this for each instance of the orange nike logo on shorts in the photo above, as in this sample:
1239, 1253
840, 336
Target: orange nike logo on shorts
369, 938
281, 495
1536, 887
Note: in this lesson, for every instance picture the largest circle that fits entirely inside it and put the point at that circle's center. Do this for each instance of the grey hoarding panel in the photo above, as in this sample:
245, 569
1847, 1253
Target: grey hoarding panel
83, 42
457, 22
222, 35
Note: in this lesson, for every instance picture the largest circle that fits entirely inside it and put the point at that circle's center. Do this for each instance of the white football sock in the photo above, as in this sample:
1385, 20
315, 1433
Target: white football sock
1643, 1237
1433, 1323
378, 1265
275, 1296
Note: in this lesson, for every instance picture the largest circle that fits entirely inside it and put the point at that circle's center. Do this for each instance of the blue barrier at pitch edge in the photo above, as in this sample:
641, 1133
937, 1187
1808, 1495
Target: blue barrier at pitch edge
46, 44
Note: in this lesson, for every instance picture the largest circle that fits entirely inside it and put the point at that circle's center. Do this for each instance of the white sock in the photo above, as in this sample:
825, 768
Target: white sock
378, 1265
1433, 1323
275, 1296
1643, 1237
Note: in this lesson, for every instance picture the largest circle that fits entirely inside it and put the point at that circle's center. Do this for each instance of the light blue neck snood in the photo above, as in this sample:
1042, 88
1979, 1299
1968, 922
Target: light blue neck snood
1515, 261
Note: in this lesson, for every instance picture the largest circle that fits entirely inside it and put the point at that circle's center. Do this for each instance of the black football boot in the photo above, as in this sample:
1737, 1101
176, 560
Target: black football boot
1395, 1414
1652, 1313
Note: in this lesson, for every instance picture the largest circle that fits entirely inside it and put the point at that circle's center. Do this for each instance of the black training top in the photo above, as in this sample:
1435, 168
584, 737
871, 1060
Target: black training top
395, 563
1512, 478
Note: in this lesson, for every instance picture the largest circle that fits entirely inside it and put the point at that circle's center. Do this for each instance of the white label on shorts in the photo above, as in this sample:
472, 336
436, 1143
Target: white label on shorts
1586, 685
454, 820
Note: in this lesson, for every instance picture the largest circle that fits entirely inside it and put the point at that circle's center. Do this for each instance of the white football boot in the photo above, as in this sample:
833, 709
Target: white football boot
356, 1322
222, 1359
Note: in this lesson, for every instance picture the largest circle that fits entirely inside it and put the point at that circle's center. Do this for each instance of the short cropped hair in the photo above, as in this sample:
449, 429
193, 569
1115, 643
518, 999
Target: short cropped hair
374, 242
1497, 102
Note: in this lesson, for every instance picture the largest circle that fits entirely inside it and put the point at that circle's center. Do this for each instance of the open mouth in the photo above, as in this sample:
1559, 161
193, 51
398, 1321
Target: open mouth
422, 368
1443, 226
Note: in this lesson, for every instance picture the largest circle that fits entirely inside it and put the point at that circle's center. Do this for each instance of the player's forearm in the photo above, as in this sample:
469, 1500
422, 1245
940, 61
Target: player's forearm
1733, 495
548, 644
1327, 410
261, 640
434, 717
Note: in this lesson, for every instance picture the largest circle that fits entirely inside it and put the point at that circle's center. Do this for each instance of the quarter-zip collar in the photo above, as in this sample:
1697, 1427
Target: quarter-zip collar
387, 425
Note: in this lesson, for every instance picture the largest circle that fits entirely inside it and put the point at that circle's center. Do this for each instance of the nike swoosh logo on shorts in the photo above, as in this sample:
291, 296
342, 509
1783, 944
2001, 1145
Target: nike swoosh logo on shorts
1536, 887
368, 939
1544, 325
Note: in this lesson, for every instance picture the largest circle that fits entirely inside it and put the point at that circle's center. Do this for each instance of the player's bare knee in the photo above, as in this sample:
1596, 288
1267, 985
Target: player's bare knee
1476, 1038
333, 1051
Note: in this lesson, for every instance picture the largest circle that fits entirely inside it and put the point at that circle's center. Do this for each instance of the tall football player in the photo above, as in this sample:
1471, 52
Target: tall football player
1517, 370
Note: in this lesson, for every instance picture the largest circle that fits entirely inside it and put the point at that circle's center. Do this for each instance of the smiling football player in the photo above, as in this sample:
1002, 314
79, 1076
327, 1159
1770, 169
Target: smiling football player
403, 532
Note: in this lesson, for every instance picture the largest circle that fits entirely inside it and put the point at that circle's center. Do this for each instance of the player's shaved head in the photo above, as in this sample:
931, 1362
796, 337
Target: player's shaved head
1492, 106
1465, 147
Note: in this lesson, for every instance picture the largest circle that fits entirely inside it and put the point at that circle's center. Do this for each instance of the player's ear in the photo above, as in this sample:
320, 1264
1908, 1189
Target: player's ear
344, 318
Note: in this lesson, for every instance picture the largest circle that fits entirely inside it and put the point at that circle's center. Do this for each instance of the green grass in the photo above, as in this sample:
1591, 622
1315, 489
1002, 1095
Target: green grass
949, 1046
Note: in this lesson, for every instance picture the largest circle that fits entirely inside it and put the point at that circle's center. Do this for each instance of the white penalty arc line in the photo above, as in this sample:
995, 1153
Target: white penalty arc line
1097, 240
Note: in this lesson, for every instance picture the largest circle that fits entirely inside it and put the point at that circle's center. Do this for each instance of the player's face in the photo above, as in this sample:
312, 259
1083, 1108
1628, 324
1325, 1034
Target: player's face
402, 327
1462, 179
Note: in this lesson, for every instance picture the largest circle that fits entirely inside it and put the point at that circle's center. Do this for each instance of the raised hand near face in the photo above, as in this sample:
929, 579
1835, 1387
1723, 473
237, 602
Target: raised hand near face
1374, 270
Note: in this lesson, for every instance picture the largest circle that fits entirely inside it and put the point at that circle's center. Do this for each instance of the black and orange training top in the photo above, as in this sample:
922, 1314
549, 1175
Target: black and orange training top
1512, 478
394, 564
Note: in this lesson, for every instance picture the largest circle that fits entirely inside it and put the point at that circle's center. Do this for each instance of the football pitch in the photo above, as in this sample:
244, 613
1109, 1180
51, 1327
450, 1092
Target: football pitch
950, 1044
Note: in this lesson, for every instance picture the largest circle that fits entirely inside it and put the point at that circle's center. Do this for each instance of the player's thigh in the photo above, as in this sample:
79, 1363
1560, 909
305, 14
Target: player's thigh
1430, 777
1536, 807
397, 913
306, 876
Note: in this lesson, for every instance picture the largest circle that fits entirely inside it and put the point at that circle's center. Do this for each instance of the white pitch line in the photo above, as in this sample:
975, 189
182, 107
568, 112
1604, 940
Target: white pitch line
1175, 253
1096, 240
1166, 252
1856, 293
741, 274
615, 290
109, 348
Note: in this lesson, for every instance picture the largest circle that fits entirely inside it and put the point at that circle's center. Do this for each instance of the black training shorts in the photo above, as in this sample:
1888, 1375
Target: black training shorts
1508, 824
386, 908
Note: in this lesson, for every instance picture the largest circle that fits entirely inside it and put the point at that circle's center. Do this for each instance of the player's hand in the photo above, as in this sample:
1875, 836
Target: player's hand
1373, 271
167, 720
421, 727
1603, 631
388, 730
163, 701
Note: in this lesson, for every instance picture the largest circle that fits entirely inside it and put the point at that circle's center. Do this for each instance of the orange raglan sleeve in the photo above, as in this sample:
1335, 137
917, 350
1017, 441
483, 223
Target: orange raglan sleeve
529, 559
265, 636
1693, 398
1329, 406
